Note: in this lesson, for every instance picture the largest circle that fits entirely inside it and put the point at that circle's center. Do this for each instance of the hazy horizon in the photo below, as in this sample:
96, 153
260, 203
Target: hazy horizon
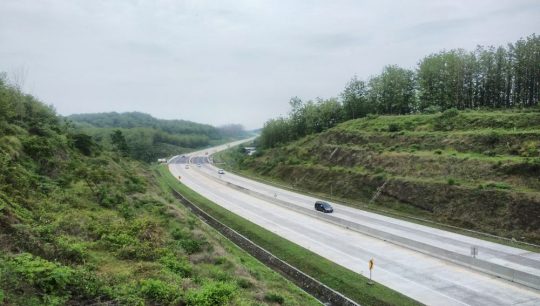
231, 61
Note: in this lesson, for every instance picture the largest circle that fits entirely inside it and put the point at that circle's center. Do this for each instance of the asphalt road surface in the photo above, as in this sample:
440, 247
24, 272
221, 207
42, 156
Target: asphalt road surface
428, 279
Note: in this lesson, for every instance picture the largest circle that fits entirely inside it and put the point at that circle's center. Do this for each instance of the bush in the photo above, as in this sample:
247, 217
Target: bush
438, 152
274, 298
176, 265
492, 138
212, 293
489, 153
158, 291
498, 185
44, 274
394, 127
190, 246
449, 113
530, 149
433, 109
447, 120
372, 116
71, 249
244, 283
451, 181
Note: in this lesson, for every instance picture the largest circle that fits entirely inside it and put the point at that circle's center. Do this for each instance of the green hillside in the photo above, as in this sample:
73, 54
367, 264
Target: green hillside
474, 169
84, 225
148, 138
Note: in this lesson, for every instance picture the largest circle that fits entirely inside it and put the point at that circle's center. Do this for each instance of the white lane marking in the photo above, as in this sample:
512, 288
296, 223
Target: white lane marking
313, 241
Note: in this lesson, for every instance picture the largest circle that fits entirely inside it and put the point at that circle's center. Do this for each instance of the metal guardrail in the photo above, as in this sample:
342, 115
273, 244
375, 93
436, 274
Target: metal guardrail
521, 277
513, 241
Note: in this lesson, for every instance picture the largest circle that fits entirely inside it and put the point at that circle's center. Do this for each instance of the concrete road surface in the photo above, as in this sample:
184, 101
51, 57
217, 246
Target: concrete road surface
428, 279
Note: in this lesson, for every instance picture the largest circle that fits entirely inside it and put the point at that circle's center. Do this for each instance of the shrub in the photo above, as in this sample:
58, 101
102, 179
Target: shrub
157, 290
244, 283
176, 265
274, 298
489, 153
433, 109
498, 185
190, 246
178, 233
451, 181
394, 127
449, 113
212, 293
46, 275
492, 138
438, 152
372, 116
109, 196
447, 120
530, 149
71, 249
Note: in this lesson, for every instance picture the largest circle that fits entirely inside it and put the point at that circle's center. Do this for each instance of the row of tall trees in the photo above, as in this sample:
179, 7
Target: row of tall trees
486, 77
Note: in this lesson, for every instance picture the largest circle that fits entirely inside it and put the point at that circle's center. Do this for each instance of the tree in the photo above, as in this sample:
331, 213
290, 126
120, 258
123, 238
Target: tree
355, 102
393, 91
274, 132
119, 142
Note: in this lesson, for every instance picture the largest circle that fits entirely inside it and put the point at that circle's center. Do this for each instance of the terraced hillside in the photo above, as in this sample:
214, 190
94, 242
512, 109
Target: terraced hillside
478, 170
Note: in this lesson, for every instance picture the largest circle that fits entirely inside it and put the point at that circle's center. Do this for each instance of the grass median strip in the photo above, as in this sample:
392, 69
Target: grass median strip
347, 282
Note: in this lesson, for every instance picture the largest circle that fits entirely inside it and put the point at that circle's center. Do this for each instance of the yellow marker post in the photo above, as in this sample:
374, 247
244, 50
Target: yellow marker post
371, 265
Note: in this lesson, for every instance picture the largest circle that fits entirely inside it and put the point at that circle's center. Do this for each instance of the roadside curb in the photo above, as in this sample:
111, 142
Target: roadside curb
323, 293
520, 277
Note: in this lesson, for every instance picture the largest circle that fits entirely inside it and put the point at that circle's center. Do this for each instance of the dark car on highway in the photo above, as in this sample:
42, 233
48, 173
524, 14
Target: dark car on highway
323, 206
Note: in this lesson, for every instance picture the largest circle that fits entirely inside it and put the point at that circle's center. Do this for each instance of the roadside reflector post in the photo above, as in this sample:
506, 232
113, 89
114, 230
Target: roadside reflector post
474, 251
371, 265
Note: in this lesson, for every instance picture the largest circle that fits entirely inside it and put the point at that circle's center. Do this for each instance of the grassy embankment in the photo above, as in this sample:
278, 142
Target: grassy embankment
476, 170
341, 279
82, 225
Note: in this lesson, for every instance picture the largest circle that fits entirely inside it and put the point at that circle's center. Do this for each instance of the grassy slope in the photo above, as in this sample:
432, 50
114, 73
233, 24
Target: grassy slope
477, 170
339, 278
97, 228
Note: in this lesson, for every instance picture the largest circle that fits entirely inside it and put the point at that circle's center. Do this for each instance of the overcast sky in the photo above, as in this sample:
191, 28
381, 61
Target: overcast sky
223, 62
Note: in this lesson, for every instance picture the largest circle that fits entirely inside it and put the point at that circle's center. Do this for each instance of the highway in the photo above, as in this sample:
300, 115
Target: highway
403, 251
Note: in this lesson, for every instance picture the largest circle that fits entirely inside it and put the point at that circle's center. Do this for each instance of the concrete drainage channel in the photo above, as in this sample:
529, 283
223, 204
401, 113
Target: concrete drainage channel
323, 293
520, 277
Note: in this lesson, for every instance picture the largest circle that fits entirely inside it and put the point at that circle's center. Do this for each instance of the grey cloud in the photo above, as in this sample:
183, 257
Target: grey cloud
231, 61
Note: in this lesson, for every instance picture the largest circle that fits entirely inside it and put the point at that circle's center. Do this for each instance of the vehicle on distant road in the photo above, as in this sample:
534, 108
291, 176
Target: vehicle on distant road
199, 165
323, 206
220, 171
187, 166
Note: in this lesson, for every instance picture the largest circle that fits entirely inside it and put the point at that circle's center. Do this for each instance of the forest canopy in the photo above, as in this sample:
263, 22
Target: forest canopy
487, 77
146, 138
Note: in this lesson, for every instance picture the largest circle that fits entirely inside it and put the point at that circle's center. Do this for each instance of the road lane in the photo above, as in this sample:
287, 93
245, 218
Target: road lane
496, 253
427, 279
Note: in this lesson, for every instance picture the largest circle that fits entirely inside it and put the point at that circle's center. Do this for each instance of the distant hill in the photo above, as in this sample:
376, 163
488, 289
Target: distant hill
83, 225
474, 169
136, 120
149, 138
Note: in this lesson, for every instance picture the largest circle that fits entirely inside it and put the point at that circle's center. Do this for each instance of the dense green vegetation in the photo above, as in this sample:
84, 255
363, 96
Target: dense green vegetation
473, 169
80, 224
351, 284
484, 78
146, 138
